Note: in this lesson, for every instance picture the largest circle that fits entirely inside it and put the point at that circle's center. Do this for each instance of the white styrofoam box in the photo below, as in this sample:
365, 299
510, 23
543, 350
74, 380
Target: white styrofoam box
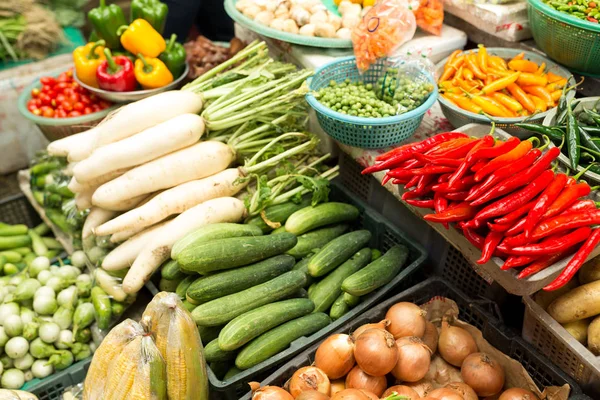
506, 21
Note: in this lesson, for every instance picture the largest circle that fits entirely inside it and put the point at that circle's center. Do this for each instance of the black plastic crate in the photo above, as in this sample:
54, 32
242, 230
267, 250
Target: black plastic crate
384, 236
17, 210
543, 372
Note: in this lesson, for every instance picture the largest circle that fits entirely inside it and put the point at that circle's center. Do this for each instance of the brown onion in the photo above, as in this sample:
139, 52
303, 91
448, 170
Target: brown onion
406, 319
401, 390
376, 352
430, 337
271, 393
422, 387
455, 344
359, 379
337, 386
335, 356
445, 394
484, 374
370, 395
413, 359
312, 395
518, 394
383, 324
254, 386
464, 390
428, 398
309, 378
351, 394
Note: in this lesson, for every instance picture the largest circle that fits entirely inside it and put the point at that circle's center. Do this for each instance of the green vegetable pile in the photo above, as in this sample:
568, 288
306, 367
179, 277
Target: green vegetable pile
582, 9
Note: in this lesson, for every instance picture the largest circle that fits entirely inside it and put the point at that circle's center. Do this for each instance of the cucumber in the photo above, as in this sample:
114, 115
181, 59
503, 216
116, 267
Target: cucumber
231, 373
351, 300
301, 294
11, 242
302, 265
224, 309
13, 230
311, 288
170, 270
212, 232
189, 306
281, 229
378, 273
316, 239
209, 333
11, 256
218, 285
246, 327
337, 251
213, 352
375, 254
279, 213
233, 252
184, 285
330, 288
278, 339
166, 285
339, 308
310, 218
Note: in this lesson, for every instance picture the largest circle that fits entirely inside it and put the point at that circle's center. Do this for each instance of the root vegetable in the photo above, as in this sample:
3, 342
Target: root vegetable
63, 146
335, 356
277, 23
252, 11
483, 374
441, 372
414, 358
337, 386
324, 30
445, 394
96, 217
126, 204
580, 303
401, 390
312, 395
518, 394
271, 393
83, 200
350, 21
77, 187
593, 336
422, 387
358, 379
383, 324
309, 378
351, 394
590, 272
344, 33
110, 284
307, 30
318, 17
290, 26
334, 20
300, 15
464, 390
406, 319
431, 337
376, 352
578, 329
264, 17
545, 298
455, 344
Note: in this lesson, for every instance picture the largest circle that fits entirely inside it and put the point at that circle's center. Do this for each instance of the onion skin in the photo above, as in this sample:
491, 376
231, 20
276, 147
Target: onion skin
271, 393
405, 391
464, 390
351, 394
484, 374
406, 319
335, 356
254, 386
431, 337
337, 386
370, 395
445, 394
309, 378
455, 344
518, 394
422, 387
414, 359
312, 395
376, 352
383, 324
359, 379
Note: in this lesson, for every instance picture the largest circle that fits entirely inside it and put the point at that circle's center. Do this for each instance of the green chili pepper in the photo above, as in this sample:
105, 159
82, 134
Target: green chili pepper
102, 306
573, 139
553, 133
587, 141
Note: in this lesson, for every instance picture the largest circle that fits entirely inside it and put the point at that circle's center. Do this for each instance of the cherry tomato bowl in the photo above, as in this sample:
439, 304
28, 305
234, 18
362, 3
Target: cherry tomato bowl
60, 107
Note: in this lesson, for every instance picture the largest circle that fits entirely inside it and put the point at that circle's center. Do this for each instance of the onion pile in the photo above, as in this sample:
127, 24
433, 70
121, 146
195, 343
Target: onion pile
376, 352
309, 378
335, 356
414, 358
406, 319
518, 394
455, 344
483, 374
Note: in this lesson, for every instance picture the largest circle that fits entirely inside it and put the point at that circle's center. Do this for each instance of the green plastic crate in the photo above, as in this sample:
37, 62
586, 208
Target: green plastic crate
53, 387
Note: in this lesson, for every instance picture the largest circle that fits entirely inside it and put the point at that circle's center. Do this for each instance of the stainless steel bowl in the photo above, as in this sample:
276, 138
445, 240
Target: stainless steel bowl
128, 97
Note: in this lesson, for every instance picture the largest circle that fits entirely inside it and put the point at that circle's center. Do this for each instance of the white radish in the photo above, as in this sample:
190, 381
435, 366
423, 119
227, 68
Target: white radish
62, 147
68, 171
110, 284
177, 133
124, 255
122, 236
175, 201
136, 117
198, 161
222, 209
76, 187
95, 218
83, 200
126, 204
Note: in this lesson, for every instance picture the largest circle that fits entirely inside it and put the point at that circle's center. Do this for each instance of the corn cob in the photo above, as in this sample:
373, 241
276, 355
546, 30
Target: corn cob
122, 371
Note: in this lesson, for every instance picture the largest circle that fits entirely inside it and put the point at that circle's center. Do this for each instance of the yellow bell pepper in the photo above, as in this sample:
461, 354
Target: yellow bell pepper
368, 3
152, 73
141, 37
87, 59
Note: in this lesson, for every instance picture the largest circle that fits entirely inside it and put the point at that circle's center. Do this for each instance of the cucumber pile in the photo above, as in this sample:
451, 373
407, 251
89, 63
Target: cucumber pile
253, 289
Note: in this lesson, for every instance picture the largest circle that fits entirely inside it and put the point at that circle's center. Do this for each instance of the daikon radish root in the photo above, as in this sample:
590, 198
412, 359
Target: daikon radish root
198, 161
96, 217
223, 209
175, 201
176, 133
62, 147
126, 204
83, 200
124, 255
122, 236
110, 284
76, 187
136, 117
68, 171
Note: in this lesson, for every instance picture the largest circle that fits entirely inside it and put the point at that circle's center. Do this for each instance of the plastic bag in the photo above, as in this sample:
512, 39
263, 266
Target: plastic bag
150, 381
6, 394
430, 16
386, 27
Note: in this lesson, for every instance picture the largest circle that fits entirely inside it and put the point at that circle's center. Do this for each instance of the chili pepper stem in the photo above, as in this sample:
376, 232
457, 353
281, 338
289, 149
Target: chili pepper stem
92, 54
113, 67
580, 173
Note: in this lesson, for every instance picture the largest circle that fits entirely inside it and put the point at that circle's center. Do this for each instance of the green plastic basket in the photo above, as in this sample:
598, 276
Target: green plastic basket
566, 39
366, 133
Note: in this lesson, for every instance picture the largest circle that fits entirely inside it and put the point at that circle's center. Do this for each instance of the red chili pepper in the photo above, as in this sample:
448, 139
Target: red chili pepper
449, 145
517, 261
553, 245
513, 155
483, 144
394, 181
566, 198
576, 262
498, 227
497, 151
457, 196
389, 154
504, 172
515, 215
581, 205
544, 201
478, 165
443, 178
518, 198
463, 185
413, 194
449, 162
518, 180
420, 203
461, 212
440, 203
425, 180
475, 239
566, 221
456, 152
542, 263
412, 182
517, 227
426, 170
489, 246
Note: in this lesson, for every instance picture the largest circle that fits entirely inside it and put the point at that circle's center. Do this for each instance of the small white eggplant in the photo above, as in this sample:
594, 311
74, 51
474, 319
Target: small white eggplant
307, 30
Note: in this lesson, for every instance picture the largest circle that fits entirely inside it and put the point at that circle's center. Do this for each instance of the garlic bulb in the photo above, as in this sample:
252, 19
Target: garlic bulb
264, 17
289, 25
307, 30
277, 23
320, 16
325, 30
350, 21
334, 20
282, 12
300, 15
252, 11
344, 33
241, 5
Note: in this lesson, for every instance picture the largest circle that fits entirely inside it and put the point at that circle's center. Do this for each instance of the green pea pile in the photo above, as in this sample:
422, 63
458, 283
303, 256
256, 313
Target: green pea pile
403, 93
582, 9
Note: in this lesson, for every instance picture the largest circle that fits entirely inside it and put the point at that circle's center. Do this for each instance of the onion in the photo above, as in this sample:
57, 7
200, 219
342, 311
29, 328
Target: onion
271, 393
464, 390
358, 379
422, 387
455, 344
401, 390
430, 337
335, 356
370, 395
483, 374
406, 319
383, 324
351, 394
312, 395
254, 386
337, 386
376, 352
518, 394
445, 394
309, 378
414, 358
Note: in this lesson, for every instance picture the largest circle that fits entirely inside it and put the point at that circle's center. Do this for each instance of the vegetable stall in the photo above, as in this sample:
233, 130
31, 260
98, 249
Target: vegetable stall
346, 200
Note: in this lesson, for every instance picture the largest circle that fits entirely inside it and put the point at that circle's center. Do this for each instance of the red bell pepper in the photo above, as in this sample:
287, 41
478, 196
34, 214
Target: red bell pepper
116, 74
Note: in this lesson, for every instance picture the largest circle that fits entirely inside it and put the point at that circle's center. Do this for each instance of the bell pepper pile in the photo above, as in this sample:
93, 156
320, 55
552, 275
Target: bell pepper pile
503, 195
488, 84
137, 54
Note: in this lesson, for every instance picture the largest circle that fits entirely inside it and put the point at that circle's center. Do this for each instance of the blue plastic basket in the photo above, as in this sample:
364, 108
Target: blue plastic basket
367, 133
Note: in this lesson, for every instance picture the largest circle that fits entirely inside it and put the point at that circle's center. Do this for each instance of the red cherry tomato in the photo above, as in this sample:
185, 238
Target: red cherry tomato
61, 86
96, 108
69, 72
60, 113
63, 78
67, 106
35, 92
87, 110
74, 114
78, 106
45, 99
31, 105
48, 80
60, 98
48, 113
104, 104
85, 99
53, 103
73, 98
46, 88
37, 111
52, 94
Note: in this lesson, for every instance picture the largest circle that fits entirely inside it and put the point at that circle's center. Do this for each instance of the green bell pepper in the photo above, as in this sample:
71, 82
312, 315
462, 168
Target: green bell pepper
153, 11
106, 20
174, 57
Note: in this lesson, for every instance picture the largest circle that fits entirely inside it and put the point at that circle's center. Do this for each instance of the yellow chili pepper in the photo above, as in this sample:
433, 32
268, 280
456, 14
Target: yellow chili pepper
87, 59
523, 66
152, 73
541, 69
518, 93
141, 38
489, 106
527, 79
463, 102
501, 83
471, 62
553, 78
482, 58
466, 86
497, 62
508, 102
468, 74
499, 72
540, 92
540, 105
519, 56
457, 76
556, 95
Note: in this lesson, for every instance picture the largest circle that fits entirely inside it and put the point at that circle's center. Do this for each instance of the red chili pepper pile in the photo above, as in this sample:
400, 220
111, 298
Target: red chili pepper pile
504, 196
